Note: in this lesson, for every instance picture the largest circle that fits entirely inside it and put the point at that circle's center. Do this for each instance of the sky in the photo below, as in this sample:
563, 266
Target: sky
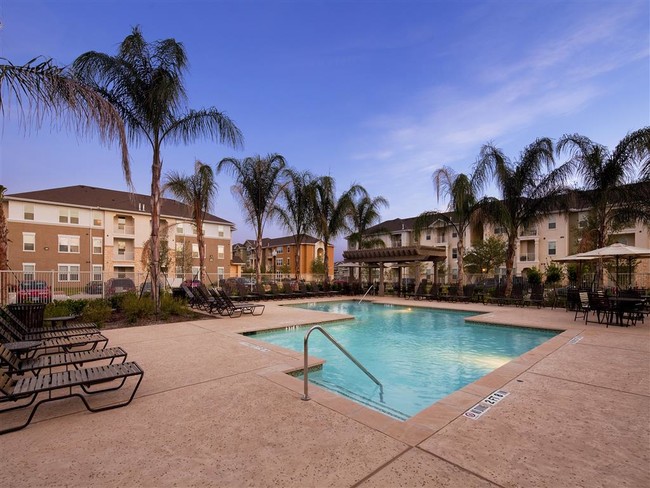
375, 92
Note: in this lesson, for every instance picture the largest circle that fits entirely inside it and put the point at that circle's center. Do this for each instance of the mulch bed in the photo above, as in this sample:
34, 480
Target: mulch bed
118, 320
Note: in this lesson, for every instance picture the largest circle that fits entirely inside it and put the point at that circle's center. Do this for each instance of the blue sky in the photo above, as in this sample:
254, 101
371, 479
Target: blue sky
379, 93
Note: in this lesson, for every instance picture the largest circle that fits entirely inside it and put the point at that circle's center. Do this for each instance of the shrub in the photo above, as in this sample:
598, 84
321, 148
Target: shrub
60, 308
97, 311
172, 306
137, 308
534, 276
554, 274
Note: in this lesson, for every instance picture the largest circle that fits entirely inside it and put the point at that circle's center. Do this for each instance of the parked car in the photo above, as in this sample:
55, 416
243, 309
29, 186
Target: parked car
94, 288
34, 291
115, 286
192, 283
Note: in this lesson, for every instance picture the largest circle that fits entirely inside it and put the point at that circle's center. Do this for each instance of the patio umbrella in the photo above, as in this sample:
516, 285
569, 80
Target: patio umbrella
616, 251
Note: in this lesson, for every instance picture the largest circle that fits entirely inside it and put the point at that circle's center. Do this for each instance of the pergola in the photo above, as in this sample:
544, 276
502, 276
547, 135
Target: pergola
400, 256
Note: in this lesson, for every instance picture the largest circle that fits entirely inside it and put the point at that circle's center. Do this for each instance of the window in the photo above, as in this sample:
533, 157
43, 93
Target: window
97, 272
220, 252
29, 241
28, 211
68, 272
552, 248
121, 223
69, 244
498, 230
279, 249
454, 274
396, 241
179, 272
551, 224
454, 253
454, 234
68, 216
179, 250
288, 249
195, 272
220, 231
278, 262
195, 250
180, 229
29, 271
220, 273
427, 236
121, 248
98, 245
97, 218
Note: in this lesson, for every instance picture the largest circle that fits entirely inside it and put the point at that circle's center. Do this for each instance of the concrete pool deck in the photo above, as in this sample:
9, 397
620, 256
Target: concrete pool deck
216, 408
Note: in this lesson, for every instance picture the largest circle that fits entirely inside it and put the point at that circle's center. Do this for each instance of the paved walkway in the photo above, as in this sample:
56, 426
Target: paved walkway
216, 409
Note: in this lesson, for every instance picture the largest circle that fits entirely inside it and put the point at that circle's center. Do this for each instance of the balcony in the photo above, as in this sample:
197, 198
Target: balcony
528, 232
527, 257
124, 256
123, 230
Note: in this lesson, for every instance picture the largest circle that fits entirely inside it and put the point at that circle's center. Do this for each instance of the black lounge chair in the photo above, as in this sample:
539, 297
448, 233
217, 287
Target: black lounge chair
34, 348
251, 308
420, 293
17, 365
28, 388
536, 296
11, 317
22, 334
192, 299
280, 294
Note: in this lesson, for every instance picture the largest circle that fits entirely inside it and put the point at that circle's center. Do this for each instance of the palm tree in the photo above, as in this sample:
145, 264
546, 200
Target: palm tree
605, 175
42, 90
464, 205
144, 81
196, 191
295, 213
4, 233
363, 215
259, 183
530, 189
330, 213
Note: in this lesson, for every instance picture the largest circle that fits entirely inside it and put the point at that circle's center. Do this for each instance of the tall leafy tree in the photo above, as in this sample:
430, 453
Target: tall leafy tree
295, 211
463, 192
607, 183
529, 190
197, 192
43, 91
259, 181
364, 213
331, 213
144, 81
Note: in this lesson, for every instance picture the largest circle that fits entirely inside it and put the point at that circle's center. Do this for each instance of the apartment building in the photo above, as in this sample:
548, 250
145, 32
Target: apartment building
279, 255
556, 236
82, 233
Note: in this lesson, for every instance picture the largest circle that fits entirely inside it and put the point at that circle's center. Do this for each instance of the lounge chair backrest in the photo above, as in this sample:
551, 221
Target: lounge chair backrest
6, 384
9, 357
10, 330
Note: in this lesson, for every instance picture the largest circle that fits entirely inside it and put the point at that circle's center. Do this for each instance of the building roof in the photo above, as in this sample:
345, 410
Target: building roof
101, 198
289, 241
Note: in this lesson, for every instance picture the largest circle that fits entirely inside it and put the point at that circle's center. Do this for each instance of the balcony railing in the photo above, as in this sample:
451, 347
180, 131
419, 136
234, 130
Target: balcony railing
527, 257
124, 230
528, 232
124, 256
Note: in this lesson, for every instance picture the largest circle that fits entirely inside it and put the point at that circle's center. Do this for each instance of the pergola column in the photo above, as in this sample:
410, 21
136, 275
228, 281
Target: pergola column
381, 279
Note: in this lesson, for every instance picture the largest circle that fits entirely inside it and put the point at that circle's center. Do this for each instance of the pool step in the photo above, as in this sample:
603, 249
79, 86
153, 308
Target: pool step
368, 402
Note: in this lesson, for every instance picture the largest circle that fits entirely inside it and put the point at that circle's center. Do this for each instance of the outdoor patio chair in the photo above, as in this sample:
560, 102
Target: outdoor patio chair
536, 296
25, 390
420, 293
35, 348
582, 306
21, 334
16, 365
251, 308
10, 316
277, 293
192, 300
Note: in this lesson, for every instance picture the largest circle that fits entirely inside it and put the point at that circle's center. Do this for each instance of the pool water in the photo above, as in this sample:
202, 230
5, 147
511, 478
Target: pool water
419, 355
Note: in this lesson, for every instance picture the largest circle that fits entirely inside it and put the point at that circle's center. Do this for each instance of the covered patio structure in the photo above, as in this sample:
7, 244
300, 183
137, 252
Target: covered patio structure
399, 257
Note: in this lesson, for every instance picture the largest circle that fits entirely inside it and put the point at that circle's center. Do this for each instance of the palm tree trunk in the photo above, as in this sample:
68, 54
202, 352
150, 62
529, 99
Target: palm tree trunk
156, 170
4, 233
326, 262
460, 247
200, 240
510, 260
258, 256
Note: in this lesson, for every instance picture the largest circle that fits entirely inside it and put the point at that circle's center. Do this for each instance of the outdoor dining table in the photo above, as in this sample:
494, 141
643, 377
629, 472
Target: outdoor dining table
621, 305
62, 321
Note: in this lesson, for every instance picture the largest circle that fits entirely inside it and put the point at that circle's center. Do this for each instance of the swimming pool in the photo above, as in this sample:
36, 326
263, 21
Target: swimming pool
419, 355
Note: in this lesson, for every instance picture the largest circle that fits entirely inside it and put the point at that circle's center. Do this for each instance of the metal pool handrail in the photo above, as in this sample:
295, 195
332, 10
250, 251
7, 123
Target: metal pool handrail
367, 291
344, 351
